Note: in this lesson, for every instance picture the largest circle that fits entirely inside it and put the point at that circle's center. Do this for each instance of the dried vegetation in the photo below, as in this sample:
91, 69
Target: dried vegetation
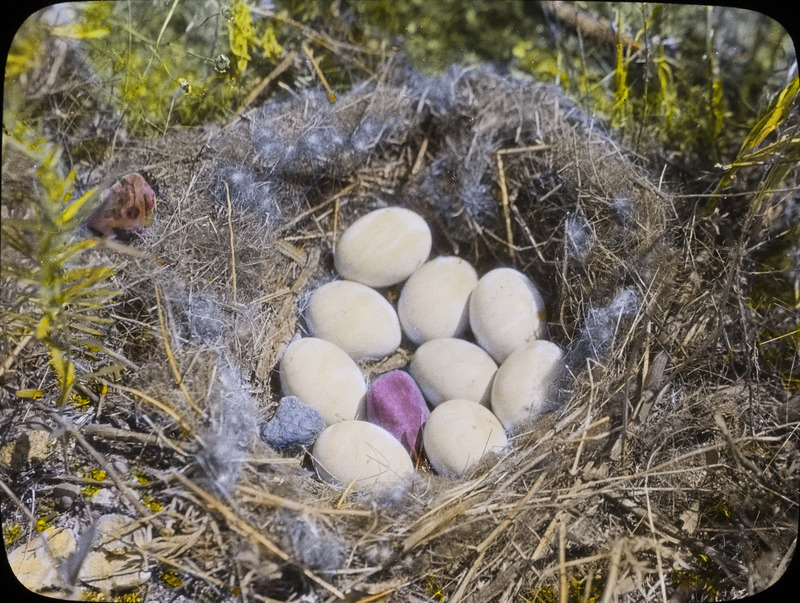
669, 472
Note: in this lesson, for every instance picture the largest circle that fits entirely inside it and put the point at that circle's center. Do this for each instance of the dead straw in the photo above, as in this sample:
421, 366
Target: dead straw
230, 236
250, 532
162, 323
493, 536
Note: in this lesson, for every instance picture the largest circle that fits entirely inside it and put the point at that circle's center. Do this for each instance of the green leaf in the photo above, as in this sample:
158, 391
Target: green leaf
767, 152
25, 53
64, 370
788, 161
84, 329
269, 43
14, 233
79, 318
620, 108
241, 35
95, 273
79, 31
82, 288
64, 253
648, 23
25, 276
58, 188
73, 210
97, 293
44, 327
773, 117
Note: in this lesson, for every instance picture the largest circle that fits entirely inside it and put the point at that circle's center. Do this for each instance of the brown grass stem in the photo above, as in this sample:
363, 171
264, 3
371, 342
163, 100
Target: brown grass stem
243, 527
232, 241
162, 323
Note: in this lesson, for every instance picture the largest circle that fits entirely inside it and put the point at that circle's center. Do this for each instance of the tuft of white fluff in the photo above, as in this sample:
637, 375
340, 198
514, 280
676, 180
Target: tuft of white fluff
599, 330
232, 428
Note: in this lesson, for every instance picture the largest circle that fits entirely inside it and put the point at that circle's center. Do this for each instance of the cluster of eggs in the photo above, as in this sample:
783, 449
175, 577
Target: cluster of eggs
477, 391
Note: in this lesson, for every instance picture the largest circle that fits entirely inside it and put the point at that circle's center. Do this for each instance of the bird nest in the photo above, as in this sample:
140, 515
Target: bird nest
646, 482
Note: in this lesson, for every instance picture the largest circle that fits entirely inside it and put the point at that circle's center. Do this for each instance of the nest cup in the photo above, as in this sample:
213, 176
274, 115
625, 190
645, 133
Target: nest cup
505, 172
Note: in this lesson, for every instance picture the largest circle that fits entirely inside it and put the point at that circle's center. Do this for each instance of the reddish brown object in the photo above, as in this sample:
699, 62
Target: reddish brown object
128, 207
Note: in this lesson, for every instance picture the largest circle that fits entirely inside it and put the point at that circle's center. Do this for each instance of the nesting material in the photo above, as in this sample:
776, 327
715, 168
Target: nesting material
362, 454
625, 297
383, 247
524, 381
354, 317
228, 436
506, 311
295, 425
395, 403
433, 303
451, 368
458, 434
324, 377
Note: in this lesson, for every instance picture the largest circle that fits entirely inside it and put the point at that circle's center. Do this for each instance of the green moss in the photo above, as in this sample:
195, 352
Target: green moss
171, 578
577, 591
433, 590
719, 510
703, 577
436, 34
11, 533
546, 594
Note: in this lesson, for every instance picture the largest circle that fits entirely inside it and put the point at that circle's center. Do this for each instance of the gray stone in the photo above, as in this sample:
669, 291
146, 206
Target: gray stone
294, 425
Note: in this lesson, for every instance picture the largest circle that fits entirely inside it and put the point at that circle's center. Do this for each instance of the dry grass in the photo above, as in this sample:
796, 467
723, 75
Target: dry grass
670, 468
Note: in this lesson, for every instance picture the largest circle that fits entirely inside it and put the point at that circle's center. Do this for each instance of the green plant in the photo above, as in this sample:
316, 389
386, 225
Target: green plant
189, 65
55, 301
662, 77
783, 153
437, 34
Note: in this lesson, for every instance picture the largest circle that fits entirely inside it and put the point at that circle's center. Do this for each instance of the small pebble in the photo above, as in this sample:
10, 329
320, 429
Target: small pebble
395, 403
383, 248
324, 377
458, 434
506, 311
65, 494
449, 368
434, 300
354, 317
363, 454
523, 382
294, 425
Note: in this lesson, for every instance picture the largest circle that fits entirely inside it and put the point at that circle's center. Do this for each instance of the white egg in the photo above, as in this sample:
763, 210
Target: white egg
363, 454
506, 311
458, 434
354, 317
324, 377
434, 300
523, 382
450, 368
383, 248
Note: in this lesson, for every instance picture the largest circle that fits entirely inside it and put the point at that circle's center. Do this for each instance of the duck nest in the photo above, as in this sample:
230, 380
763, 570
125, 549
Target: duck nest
664, 471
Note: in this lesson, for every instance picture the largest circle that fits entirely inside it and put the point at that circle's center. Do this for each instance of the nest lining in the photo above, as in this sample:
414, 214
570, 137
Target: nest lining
605, 486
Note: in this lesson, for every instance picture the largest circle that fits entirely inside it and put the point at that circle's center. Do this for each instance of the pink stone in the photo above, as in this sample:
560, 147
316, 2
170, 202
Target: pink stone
395, 403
